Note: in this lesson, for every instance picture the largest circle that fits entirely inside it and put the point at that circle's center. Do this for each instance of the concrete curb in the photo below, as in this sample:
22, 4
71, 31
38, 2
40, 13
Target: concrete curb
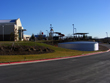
51, 59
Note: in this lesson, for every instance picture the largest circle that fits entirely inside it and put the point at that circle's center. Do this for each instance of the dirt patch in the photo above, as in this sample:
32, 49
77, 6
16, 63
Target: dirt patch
23, 50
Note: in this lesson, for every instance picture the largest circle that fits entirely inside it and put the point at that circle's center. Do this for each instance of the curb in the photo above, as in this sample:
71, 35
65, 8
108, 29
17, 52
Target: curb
51, 59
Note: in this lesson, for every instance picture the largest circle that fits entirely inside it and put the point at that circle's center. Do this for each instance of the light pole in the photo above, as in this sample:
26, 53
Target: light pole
107, 34
3, 32
75, 30
47, 34
107, 37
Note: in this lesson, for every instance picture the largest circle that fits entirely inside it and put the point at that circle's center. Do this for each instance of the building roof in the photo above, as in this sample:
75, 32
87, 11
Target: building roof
80, 33
8, 21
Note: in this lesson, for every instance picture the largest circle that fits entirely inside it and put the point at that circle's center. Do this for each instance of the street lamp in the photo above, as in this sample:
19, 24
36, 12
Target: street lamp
75, 30
47, 34
107, 34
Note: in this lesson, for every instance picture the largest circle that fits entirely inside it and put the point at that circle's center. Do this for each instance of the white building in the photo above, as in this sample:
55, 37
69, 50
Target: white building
11, 30
27, 37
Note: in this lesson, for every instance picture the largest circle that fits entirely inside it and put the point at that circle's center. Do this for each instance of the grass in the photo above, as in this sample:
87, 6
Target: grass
58, 52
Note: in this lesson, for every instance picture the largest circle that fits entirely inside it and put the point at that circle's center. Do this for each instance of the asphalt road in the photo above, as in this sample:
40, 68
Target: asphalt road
106, 45
89, 69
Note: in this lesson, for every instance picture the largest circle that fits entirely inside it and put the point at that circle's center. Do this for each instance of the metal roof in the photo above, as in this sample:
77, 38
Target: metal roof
80, 33
8, 21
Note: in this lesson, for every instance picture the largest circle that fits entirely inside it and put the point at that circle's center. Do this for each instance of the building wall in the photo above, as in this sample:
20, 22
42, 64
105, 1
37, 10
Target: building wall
19, 28
9, 29
18, 22
7, 37
7, 32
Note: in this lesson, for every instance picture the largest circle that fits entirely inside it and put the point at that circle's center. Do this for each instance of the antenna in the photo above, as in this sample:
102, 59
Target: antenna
51, 27
51, 31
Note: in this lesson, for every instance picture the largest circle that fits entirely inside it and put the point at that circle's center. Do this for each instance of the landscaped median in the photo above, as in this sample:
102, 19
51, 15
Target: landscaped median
58, 52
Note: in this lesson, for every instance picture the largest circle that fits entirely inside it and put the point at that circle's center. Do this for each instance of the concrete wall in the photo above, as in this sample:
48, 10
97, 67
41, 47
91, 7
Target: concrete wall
82, 46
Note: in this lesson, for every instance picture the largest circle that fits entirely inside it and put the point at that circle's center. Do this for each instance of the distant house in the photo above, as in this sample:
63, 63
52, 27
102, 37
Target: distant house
11, 30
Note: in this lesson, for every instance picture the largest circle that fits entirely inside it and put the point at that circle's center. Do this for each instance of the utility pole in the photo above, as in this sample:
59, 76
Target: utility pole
107, 34
47, 34
73, 29
107, 37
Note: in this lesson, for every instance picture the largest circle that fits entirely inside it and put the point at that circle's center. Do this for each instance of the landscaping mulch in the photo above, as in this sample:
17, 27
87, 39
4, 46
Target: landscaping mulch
23, 50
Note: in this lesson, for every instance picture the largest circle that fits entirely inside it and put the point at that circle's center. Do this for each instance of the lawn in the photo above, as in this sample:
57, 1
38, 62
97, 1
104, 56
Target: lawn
58, 52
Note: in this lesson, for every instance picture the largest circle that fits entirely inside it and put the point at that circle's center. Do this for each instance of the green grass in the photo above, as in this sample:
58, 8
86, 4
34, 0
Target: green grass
58, 52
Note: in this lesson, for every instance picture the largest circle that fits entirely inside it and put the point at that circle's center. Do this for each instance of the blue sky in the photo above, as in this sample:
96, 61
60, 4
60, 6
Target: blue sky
91, 16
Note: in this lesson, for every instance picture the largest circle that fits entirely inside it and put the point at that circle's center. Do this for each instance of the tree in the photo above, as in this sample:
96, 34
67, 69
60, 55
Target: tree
40, 35
32, 38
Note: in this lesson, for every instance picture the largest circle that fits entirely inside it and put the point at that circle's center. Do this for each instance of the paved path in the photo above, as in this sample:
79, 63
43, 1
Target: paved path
88, 69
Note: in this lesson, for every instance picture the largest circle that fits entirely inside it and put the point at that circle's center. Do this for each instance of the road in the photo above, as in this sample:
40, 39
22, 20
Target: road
106, 45
89, 69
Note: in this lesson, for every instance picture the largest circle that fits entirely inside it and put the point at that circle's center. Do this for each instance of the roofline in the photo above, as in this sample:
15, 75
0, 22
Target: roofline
81, 33
7, 23
8, 19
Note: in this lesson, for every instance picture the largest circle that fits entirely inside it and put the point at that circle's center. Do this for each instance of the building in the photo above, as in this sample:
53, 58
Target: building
27, 37
11, 30
40, 37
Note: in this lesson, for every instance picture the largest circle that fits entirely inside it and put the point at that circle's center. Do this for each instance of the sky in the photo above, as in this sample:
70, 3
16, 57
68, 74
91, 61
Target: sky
88, 16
